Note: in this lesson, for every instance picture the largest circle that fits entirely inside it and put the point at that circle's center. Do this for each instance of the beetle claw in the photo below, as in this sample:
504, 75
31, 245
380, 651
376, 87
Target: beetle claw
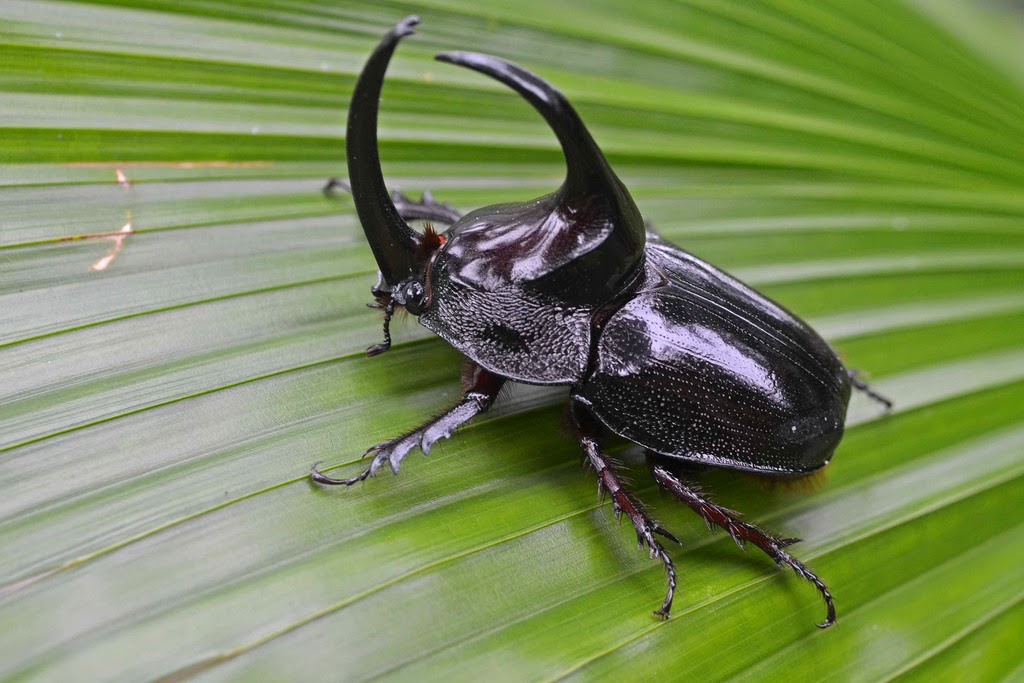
321, 478
377, 349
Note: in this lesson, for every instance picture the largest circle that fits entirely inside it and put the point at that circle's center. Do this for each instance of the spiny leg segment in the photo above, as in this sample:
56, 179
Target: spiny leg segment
742, 532
623, 501
481, 389
426, 209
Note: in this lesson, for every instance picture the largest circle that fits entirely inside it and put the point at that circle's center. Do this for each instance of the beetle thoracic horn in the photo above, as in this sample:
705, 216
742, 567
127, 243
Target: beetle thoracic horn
393, 242
587, 172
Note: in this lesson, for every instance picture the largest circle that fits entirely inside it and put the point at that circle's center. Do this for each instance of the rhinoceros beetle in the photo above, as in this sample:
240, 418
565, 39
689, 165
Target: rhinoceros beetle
573, 288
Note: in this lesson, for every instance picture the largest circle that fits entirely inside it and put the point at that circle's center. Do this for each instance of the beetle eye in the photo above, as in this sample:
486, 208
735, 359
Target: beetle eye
414, 297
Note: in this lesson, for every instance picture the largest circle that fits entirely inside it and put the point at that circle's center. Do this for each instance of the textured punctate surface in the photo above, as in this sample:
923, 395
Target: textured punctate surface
705, 368
508, 330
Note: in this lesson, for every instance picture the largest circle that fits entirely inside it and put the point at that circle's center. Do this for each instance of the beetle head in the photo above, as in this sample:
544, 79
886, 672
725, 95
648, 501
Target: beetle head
579, 245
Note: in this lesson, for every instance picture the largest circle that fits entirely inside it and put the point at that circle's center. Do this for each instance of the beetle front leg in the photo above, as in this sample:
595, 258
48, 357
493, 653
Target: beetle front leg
742, 532
481, 390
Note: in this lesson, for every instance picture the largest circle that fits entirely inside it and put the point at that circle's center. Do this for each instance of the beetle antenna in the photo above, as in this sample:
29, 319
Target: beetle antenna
377, 349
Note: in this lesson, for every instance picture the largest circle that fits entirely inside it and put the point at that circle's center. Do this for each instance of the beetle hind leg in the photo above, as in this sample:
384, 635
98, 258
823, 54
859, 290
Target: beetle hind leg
743, 532
860, 385
482, 389
647, 529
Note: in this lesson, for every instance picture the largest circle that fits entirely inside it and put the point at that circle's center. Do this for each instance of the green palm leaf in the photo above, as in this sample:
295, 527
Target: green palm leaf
860, 161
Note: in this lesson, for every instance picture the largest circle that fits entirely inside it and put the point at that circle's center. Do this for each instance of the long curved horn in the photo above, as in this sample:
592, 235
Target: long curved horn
587, 171
393, 242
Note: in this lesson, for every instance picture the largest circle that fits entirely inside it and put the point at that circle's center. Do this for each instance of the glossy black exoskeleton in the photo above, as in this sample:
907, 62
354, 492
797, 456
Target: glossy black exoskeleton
573, 288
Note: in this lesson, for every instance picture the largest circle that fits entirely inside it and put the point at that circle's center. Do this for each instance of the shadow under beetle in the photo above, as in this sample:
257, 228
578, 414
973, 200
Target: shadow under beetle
573, 288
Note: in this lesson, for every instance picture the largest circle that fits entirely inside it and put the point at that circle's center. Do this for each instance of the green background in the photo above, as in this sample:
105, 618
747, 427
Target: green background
861, 161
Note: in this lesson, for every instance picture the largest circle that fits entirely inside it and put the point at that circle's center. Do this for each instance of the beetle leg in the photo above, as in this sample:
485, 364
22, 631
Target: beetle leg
742, 532
622, 501
426, 209
861, 385
645, 527
483, 388
335, 184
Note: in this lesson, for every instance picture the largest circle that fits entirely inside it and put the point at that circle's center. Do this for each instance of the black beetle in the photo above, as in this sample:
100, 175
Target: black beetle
573, 288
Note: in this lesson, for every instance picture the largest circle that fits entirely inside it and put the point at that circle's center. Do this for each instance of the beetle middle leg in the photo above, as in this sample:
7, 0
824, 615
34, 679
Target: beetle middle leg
622, 501
742, 532
481, 389
426, 209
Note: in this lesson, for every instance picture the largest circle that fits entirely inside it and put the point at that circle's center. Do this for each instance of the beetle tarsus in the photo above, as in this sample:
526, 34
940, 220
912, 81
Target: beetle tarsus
646, 528
475, 400
742, 531
861, 385
334, 184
